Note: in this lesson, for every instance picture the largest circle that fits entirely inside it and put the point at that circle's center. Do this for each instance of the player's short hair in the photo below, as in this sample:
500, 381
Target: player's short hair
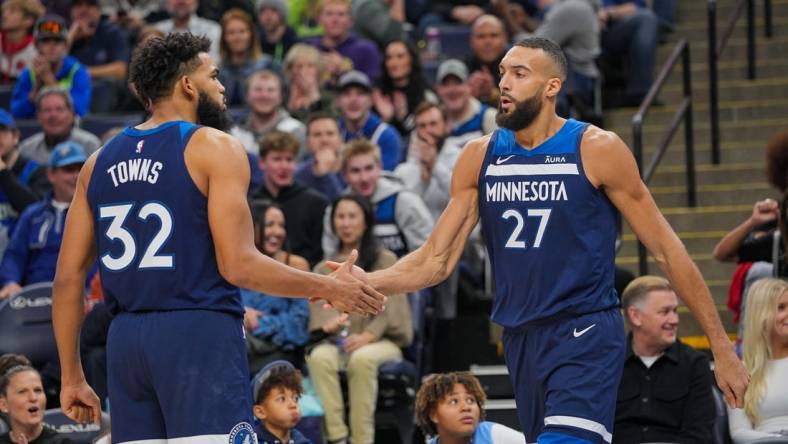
5, 377
777, 161
158, 64
638, 290
278, 141
552, 49
281, 376
436, 387
359, 147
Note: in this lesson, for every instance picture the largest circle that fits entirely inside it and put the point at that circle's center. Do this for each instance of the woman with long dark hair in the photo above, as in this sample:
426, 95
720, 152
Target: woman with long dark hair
276, 327
367, 342
401, 86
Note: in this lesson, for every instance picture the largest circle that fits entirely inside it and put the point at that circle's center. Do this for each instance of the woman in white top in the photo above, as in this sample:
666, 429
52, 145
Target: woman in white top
765, 346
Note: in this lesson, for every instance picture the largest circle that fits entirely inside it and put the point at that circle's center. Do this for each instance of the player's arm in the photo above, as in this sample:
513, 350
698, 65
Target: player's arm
610, 165
77, 254
431, 263
222, 161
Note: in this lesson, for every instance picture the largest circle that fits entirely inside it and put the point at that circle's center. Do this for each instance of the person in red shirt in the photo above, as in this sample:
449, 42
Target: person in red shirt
17, 48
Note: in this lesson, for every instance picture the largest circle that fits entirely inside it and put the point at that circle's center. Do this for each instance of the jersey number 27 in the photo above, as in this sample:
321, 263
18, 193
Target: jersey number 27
542, 214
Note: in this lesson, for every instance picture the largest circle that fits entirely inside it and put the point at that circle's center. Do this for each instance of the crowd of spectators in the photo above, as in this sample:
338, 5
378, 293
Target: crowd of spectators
352, 128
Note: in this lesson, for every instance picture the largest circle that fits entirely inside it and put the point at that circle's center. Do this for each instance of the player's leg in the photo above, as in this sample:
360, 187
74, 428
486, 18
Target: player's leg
581, 363
197, 359
136, 415
521, 361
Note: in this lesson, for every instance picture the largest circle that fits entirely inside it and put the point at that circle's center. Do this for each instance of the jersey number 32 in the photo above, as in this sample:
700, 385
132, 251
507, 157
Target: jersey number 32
117, 232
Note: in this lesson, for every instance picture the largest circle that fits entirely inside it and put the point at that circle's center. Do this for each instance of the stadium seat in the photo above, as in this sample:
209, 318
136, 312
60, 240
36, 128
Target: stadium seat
78, 433
3, 426
720, 431
26, 324
399, 380
455, 40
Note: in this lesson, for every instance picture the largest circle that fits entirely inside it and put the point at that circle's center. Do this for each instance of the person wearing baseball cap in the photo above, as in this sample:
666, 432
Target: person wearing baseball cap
276, 36
355, 104
467, 116
52, 67
16, 37
32, 252
22, 181
276, 391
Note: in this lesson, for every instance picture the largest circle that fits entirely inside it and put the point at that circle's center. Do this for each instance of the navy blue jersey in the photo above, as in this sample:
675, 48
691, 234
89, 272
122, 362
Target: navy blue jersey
550, 233
154, 246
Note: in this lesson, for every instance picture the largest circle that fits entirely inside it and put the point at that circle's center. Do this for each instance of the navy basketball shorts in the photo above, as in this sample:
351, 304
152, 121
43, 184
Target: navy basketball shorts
178, 377
566, 373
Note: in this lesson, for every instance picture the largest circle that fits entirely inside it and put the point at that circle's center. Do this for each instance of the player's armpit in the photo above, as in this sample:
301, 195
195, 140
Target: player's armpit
431, 263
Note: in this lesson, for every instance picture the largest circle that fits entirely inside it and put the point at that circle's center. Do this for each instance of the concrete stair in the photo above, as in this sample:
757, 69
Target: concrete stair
750, 112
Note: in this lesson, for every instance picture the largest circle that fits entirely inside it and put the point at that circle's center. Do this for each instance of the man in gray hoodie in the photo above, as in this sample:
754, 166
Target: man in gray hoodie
402, 221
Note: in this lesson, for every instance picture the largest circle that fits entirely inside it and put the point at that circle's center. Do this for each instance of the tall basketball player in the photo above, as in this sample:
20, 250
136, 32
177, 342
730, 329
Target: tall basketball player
546, 190
162, 208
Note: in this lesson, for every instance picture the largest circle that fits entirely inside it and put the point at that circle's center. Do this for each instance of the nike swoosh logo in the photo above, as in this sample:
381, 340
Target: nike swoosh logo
583, 331
501, 160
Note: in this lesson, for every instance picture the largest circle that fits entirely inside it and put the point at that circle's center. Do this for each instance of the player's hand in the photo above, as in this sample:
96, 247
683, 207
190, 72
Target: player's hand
732, 377
351, 294
252, 319
80, 403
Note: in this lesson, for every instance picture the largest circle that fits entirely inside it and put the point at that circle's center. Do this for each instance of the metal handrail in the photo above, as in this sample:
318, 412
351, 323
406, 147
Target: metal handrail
681, 52
716, 47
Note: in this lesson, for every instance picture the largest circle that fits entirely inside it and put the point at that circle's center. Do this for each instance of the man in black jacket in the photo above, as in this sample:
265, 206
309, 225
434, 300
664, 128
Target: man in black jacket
303, 207
665, 392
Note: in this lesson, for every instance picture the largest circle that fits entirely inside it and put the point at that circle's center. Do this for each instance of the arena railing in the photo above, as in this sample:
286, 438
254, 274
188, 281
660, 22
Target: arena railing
680, 53
717, 46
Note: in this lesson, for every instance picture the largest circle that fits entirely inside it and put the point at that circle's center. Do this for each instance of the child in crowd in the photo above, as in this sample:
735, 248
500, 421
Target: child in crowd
449, 408
277, 390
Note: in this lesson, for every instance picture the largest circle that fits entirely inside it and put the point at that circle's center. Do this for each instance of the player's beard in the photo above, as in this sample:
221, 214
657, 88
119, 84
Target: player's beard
523, 114
210, 113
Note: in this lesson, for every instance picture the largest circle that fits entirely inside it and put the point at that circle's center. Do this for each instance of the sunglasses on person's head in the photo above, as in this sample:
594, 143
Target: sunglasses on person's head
50, 27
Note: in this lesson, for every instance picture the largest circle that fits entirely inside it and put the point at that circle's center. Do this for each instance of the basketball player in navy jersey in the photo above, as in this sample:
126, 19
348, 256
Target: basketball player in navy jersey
162, 208
546, 190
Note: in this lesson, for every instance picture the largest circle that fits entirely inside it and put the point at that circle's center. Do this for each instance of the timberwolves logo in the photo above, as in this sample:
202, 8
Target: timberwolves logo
243, 433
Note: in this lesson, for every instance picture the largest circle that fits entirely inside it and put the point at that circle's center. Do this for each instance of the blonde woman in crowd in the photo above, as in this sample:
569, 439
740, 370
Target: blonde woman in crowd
304, 75
765, 346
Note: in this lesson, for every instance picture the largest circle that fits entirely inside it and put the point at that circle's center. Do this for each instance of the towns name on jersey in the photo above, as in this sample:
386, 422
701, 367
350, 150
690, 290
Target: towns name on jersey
135, 170
526, 191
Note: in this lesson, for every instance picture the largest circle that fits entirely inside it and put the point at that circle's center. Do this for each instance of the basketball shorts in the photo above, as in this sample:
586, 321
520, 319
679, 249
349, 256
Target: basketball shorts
179, 377
566, 373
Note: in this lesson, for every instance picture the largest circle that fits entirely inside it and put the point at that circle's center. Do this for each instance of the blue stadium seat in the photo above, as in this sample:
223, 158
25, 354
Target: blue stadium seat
26, 324
78, 433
